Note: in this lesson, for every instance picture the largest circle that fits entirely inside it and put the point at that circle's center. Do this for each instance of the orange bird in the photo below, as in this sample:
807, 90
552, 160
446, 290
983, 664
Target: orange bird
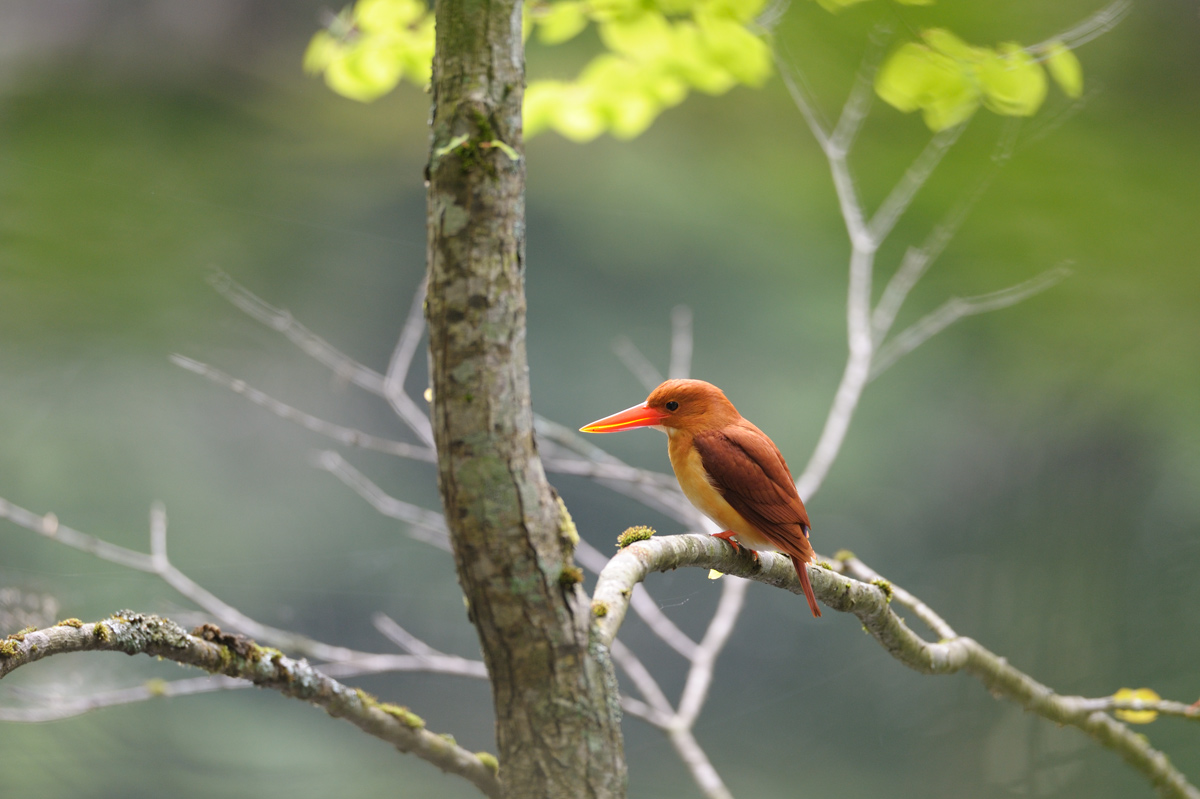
728, 468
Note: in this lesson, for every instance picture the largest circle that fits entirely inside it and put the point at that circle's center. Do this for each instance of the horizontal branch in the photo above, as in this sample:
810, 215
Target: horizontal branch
209, 649
871, 603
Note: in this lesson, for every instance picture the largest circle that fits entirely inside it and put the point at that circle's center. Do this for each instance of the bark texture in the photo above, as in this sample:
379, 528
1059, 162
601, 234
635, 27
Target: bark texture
556, 699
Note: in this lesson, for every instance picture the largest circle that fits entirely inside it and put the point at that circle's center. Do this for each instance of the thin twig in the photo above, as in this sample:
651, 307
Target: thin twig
700, 675
426, 525
402, 356
802, 96
343, 435
637, 363
917, 175
56, 708
957, 308
653, 489
1096, 25
681, 342
227, 615
858, 103
707, 778
854, 379
343, 366
662, 714
401, 637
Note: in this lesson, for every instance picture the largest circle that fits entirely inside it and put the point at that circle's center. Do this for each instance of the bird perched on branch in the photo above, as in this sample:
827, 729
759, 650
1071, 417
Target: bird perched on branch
728, 468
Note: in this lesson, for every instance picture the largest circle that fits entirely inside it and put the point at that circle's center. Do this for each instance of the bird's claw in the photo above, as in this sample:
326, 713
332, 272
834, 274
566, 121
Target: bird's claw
728, 537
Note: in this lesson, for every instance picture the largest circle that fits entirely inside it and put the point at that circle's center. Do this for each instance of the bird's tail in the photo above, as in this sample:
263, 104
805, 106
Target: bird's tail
806, 584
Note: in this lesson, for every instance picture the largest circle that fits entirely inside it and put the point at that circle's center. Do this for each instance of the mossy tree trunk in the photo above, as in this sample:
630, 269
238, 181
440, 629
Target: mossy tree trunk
555, 696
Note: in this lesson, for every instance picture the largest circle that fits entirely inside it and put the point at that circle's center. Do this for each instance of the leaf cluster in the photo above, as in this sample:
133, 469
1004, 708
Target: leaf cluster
947, 79
657, 51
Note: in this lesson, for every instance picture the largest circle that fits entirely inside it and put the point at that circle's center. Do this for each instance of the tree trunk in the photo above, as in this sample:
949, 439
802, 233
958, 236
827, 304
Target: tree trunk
555, 696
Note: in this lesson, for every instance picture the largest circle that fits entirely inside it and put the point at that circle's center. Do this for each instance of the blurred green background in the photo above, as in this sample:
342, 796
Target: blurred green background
1030, 473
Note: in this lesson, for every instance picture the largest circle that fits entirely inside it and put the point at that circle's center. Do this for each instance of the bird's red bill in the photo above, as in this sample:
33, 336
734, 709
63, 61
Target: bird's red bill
637, 416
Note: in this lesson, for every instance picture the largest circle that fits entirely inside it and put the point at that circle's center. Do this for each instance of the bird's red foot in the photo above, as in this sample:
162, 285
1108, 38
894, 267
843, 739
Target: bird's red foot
728, 537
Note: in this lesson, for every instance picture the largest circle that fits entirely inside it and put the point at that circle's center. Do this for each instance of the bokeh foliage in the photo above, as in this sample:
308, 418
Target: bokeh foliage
656, 51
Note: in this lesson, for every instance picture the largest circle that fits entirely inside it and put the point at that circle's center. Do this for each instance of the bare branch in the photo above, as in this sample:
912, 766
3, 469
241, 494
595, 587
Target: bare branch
700, 675
345, 367
636, 362
864, 573
706, 777
653, 489
235, 656
870, 603
957, 308
61, 708
661, 713
158, 537
918, 260
50, 527
406, 346
802, 96
226, 614
642, 603
902, 193
854, 378
681, 342
402, 637
393, 385
1164, 706
1094, 26
427, 525
858, 103
343, 435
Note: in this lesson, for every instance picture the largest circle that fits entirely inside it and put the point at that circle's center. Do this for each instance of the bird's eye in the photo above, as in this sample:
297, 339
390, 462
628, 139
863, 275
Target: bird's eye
672, 405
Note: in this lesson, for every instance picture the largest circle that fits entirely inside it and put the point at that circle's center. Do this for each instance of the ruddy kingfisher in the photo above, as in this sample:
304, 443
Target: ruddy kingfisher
729, 469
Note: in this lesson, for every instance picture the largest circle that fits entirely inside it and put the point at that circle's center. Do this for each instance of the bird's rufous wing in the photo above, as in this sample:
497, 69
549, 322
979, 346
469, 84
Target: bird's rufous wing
749, 472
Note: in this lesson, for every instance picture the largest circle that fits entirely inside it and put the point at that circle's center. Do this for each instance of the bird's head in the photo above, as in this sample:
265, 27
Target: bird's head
691, 405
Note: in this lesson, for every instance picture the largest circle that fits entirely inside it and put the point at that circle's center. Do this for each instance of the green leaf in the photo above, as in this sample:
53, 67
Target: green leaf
1064, 68
560, 22
694, 64
451, 146
1013, 83
365, 72
541, 102
731, 46
321, 52
947, 43
504, 148
641, 38
742, 11
915, 2
387, 16
415, 51
917, 77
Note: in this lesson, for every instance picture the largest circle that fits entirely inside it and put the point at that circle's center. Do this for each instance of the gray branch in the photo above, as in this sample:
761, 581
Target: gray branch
871, 604
235, 656
343, 435
957, 308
